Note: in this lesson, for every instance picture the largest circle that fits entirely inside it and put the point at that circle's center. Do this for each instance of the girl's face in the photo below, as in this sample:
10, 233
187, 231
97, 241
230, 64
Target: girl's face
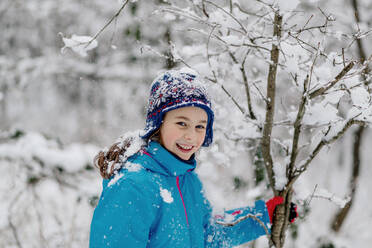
183, 131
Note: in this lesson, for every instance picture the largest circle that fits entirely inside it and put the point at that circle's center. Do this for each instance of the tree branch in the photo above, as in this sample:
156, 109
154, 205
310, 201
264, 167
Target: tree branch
215, 76
341, 215
230, 224
322, 90
108, 23
245, 81
270, 103
297, 130
321, 144
298, 122
12, 226
358, 135
247, 92
229, 14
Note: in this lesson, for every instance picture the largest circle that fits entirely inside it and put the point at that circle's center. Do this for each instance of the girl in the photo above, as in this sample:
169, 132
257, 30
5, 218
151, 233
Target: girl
151, 195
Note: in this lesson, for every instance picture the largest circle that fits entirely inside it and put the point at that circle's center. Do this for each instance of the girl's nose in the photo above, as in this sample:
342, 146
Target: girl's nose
189, 134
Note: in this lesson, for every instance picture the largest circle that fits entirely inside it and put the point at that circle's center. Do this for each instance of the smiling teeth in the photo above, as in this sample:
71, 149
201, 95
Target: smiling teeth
185, 147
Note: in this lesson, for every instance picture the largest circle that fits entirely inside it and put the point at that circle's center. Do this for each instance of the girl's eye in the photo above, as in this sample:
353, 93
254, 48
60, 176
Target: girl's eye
183, 124
200, 127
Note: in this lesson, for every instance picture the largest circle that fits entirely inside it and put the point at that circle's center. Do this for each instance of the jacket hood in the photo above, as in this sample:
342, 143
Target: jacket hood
157, 159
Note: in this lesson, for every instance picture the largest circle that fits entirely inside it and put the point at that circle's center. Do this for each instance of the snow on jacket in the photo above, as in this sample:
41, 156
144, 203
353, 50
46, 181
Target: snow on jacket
156, 200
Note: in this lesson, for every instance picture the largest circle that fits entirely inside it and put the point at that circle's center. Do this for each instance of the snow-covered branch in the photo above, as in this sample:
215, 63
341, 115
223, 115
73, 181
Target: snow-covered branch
331, 84
302, 166
270, 104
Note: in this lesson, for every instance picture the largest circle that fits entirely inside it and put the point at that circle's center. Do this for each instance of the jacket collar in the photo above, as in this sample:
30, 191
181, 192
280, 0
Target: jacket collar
164, 162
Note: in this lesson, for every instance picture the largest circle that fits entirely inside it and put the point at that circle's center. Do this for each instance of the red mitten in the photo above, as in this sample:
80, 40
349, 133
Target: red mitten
271, 205
293, 213
277, 200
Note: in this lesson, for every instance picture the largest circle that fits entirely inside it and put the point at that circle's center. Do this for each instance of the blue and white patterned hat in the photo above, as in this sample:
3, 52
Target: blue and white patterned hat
176, 89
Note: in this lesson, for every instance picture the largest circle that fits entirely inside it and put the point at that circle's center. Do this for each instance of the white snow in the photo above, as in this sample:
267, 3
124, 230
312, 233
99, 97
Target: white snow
360, 97
334, 97
325, 194
320, 113
135, 144
335, 129
228, 218
79, 44
115, 179
166, 195
50, 189
33, 145
233, 40
287, 5
292, 65
280, 175
133, 167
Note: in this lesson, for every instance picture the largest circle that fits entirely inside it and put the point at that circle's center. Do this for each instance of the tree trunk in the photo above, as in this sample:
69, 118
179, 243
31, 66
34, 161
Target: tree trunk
270, 104
342, 214
280, 221
169, 62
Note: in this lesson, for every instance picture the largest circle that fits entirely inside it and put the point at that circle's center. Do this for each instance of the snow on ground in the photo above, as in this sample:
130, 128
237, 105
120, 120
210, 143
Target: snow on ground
46, 192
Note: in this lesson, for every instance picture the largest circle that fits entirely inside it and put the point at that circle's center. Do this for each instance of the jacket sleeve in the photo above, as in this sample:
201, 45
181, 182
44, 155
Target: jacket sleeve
123, 216
218, 234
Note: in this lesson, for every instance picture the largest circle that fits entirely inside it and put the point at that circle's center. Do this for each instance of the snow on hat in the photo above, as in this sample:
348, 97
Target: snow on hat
176, 89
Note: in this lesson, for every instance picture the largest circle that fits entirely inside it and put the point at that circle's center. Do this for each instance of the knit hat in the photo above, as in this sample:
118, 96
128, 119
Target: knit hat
176, 89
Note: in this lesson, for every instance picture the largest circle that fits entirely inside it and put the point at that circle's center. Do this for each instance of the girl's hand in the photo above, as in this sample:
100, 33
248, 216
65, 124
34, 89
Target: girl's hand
277, 200
293, 213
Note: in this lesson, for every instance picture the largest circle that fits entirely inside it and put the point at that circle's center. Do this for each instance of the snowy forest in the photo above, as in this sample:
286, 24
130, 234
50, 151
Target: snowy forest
291, 84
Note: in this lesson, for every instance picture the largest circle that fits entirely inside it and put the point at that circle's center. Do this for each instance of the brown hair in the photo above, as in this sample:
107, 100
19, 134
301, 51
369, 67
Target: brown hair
102, 160
110, 161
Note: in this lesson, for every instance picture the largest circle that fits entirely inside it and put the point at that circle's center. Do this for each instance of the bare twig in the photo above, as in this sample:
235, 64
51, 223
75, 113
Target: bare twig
259, 91
269, 5
328, 18
216, 37
233, 99
215, 80
247, 91
108, 23
230, 224
245, 81
229, 14
181, 12
311, 196
298, 122
12, 226
204, 9
322, 90
302, 42
208, 55
36, 200
321, 144
297, 130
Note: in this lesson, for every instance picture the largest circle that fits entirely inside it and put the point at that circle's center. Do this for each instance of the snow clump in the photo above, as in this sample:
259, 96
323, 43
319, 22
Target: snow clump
79, 44
166, 195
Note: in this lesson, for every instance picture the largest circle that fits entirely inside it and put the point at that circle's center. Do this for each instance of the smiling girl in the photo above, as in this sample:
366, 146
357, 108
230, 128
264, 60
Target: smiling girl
151, 195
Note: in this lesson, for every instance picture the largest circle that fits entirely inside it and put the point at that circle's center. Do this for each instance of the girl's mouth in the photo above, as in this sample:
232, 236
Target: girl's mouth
184, 148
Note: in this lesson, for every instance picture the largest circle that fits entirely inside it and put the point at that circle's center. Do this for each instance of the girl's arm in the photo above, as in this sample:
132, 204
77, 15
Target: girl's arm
236, 226
123, 216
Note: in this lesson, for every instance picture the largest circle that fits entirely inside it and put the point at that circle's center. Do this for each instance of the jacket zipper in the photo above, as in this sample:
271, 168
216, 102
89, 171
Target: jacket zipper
184, 206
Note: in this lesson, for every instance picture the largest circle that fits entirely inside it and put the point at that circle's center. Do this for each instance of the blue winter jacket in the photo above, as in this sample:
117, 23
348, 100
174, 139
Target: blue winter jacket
156, 200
